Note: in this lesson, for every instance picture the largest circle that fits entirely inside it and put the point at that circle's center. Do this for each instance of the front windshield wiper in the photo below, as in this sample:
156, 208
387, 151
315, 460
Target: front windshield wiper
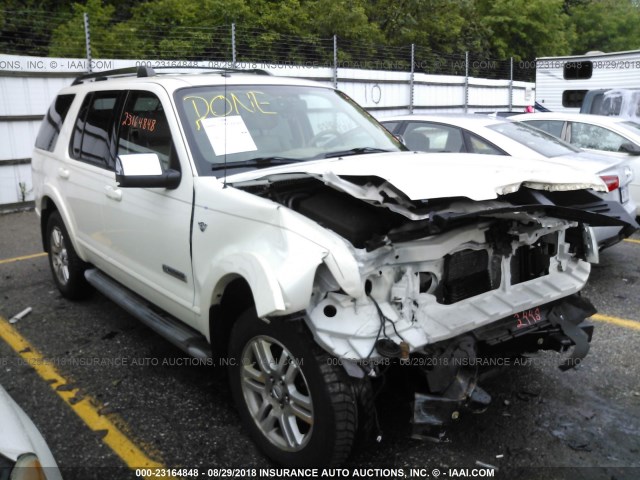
258, 162
355, 151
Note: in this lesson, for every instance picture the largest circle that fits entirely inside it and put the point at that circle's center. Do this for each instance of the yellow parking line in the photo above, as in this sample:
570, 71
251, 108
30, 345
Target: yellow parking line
24, 257
621, 322
631, 240
87, 408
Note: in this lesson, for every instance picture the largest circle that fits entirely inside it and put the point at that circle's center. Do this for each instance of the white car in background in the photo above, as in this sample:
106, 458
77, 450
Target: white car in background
615, 136
24, 454
486, 134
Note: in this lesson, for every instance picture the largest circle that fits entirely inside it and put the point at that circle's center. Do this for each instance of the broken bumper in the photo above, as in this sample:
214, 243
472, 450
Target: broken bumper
451, 370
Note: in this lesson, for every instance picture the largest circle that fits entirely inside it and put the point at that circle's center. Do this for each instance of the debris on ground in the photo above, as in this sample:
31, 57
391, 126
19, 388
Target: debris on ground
486, 465
19, 316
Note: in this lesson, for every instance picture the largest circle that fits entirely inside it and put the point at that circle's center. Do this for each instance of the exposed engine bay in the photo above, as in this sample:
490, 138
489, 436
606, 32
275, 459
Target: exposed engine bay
450, 280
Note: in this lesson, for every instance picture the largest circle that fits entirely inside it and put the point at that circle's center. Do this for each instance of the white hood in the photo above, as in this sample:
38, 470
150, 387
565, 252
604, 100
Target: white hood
422, 176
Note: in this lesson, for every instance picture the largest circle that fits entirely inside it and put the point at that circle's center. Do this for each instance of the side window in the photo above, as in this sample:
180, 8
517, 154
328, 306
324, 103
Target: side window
592, 136
391, 126
480, 145
596, 104
554, 127
573, 98
578, 70
612, 103
52, 123
433, 137
93, 133
144, 129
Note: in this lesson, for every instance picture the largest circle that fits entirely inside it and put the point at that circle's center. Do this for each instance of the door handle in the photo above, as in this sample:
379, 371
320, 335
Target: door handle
63, 173
114, 193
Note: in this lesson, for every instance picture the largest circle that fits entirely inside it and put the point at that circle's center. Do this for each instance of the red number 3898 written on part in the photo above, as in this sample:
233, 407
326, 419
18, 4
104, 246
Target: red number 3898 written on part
528, 317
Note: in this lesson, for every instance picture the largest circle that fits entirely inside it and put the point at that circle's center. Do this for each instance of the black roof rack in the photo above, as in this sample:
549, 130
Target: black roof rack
140, 71
254, 71
145, 71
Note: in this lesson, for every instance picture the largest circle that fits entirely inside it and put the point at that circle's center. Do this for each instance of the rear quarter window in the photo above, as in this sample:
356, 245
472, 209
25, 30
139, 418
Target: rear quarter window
554, 127
52, 123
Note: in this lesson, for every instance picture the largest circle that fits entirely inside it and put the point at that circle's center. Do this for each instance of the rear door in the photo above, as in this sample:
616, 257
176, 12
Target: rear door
88, 165
594, 137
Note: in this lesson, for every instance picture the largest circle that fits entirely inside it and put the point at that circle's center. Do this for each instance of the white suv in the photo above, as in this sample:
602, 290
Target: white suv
272, 225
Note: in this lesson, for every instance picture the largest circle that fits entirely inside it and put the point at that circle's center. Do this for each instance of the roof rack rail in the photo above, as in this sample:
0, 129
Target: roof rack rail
145, 71
255, 71
141, 71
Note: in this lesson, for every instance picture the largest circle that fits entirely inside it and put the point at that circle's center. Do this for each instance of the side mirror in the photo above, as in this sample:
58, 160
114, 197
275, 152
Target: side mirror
144, 170
630, 148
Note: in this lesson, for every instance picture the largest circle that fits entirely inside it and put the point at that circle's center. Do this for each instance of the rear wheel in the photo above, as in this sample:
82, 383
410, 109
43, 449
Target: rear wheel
297, 404
67, 268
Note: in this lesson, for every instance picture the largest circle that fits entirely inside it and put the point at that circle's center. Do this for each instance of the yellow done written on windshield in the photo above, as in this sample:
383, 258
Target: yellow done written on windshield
230, 103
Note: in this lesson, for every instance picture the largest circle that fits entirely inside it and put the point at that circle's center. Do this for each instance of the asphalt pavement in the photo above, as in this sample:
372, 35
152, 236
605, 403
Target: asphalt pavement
117, 396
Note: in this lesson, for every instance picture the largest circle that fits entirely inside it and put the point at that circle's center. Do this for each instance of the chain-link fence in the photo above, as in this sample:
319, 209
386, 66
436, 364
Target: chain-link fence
63, 35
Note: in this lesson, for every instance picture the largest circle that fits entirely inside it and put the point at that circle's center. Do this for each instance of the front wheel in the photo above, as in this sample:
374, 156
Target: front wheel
297, 404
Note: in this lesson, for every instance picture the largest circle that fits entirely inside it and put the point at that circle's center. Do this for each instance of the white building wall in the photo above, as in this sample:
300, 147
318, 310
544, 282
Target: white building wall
15, 184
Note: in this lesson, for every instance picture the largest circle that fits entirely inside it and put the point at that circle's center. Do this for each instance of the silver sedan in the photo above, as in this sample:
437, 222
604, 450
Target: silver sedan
615, 136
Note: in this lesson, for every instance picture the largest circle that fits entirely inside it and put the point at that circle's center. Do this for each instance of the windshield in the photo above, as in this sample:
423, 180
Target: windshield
537, 140
242, 127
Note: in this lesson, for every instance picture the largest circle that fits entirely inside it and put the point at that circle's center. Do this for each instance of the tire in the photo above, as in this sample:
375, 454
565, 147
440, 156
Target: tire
67, 268
368, 428
300, 413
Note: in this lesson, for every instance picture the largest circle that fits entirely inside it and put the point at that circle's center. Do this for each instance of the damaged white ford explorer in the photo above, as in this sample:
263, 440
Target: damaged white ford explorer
273, 225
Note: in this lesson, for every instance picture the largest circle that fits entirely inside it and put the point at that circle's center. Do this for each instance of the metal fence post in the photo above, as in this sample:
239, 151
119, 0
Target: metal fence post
87, 39
511, 85
335, 61
233, 45
411, 78
466, 82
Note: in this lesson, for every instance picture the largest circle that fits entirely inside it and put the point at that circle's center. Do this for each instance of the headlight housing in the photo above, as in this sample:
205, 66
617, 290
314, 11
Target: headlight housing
28, 467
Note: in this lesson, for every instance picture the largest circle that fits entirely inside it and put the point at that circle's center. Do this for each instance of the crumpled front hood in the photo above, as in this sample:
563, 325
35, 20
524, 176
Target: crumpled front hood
422, 176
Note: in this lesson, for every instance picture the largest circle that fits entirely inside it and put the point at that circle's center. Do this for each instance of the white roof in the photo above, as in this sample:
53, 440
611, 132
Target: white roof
572, 117
464, 120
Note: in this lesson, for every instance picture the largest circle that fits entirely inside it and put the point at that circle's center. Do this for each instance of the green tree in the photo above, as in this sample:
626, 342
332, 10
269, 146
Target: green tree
526, 29
442, 30
347, 19
437, 24
276, 31
177, 29
68, 39
605, 25
26, 26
